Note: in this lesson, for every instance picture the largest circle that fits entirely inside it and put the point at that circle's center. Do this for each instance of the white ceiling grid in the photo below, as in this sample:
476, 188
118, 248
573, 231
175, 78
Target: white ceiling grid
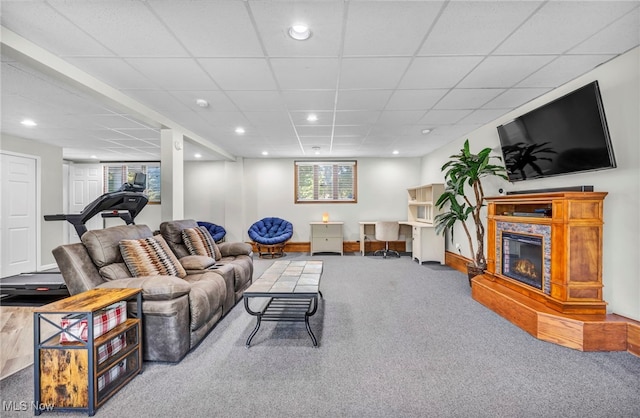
376, 73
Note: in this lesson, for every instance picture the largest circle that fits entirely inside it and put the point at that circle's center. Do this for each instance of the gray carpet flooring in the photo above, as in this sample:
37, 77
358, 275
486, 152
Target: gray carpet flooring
396, 339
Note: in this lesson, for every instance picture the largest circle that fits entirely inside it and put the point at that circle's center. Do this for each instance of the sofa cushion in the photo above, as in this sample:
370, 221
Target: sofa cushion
199, 242
102, 244
153, 287
115, 271
148, 257
197, 262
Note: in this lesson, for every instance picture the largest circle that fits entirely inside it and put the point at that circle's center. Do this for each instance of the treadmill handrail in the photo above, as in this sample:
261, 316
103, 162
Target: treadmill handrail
133, 202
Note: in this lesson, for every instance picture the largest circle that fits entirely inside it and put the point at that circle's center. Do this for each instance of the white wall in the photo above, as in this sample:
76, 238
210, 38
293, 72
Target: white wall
268, 191
620, 89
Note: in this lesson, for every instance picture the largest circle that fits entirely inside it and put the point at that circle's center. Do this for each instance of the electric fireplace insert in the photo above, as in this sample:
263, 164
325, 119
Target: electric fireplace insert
522, 258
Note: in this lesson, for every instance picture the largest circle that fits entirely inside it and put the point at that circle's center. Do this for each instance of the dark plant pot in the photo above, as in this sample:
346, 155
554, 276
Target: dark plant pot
473, 271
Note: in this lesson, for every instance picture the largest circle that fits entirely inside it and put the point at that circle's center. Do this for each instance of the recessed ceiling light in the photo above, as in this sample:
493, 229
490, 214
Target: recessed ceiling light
202, 103
312, 118
28, 122
94, 157
240, 130
265, 153
197, 155
396, 152
316, 150
425, 131
299, 32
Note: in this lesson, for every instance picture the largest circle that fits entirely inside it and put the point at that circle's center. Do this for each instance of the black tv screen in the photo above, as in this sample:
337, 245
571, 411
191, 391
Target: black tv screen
567, 135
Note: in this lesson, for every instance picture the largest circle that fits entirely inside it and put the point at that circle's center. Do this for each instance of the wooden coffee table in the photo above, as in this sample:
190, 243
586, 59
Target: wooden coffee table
292, 289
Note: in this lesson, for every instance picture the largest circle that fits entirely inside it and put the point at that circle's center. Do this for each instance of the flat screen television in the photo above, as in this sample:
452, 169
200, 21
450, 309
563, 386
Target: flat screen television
567, 135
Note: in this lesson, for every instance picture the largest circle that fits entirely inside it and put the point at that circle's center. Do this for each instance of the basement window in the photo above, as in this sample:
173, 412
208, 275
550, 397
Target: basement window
326, 182
115, 175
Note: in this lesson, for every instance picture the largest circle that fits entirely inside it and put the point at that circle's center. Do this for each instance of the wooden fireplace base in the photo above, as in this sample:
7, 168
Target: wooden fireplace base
606, 332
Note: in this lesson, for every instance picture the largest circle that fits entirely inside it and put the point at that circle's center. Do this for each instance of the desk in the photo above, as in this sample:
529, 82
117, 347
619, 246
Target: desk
368, 233
421, 240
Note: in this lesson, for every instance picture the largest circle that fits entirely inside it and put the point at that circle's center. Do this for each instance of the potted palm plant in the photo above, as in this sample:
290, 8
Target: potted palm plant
464, 198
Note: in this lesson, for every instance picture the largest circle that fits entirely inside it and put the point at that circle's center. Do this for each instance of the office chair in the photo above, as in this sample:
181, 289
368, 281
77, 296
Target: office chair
387, 231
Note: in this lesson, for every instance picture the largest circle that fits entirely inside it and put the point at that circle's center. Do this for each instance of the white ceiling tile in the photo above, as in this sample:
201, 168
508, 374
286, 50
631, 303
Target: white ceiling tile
206, 27
400, 117
351, 131
273, 19
240, 73
348, 140
383, 28
324, 118
586, 19
414, 99
515, 97
467, 98
230, 120
34, 20
363, 99
356, 117
308, 131
159, 100
309, 100
114, 71
116, 24
437, 72
173, 73
472, 28
443, 117
257, 100
308, 73
483, 116
503, 71
372, 73
617, 38
218, 100
563, 69
268, 118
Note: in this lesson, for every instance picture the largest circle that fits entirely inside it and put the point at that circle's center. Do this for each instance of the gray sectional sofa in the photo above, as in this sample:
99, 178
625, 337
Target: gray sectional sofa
177, 312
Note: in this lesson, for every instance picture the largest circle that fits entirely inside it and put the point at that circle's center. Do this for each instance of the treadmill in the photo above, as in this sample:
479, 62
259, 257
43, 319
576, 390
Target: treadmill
125, 203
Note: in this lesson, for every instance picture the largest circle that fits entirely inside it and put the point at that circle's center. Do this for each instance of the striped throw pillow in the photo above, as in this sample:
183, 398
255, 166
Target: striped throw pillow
199, 242
150, 257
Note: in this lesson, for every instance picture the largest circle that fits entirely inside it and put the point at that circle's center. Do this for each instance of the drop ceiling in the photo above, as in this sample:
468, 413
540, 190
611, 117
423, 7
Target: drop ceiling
376, 73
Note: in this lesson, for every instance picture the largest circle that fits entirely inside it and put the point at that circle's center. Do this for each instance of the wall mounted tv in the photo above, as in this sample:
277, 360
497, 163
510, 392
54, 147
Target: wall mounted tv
567, 135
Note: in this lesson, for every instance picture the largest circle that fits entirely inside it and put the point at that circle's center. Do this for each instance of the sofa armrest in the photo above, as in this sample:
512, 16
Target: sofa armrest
228, 249
77, 268
197, 262
153, 287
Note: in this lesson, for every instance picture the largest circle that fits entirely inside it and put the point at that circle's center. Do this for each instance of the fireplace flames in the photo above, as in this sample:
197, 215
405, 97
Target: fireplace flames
525, 268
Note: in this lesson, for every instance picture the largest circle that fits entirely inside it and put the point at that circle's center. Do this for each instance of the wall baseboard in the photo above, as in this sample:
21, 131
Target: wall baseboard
347, 246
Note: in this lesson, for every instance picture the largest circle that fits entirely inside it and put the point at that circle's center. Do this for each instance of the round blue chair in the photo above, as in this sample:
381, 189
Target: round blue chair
270, 236
217, 232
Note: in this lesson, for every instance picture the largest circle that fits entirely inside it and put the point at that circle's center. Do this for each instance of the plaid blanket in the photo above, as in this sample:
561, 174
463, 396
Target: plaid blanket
103, 321
111, 347
112, 374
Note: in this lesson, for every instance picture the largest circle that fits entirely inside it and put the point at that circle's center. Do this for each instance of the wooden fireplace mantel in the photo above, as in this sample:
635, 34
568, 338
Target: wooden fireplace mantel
569, 309
575, 222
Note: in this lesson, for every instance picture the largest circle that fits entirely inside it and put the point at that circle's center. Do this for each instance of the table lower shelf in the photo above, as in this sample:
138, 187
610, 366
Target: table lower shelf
284, 310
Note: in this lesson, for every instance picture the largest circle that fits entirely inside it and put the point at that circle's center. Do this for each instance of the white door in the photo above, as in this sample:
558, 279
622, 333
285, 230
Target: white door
85, 185
18, 212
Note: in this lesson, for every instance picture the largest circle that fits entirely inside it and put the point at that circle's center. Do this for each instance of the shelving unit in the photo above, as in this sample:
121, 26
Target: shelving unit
421, 205
71, 376
426, 245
